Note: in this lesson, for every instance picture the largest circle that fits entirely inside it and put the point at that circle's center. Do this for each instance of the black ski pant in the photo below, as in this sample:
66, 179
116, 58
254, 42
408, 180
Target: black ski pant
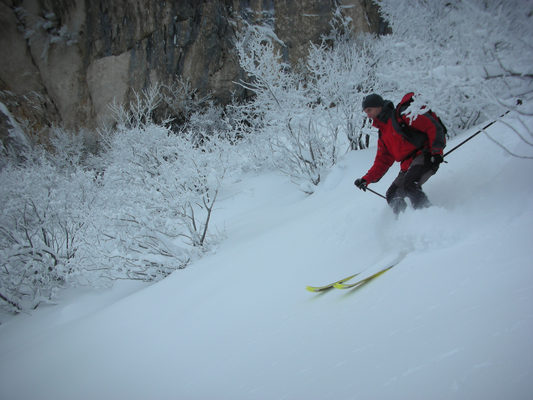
409, 184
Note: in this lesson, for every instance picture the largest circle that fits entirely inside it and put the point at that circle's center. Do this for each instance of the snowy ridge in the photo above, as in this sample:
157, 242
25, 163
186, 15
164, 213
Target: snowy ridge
452, 321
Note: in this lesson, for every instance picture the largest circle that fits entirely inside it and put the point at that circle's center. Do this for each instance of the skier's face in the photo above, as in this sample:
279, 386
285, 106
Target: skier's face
372, 112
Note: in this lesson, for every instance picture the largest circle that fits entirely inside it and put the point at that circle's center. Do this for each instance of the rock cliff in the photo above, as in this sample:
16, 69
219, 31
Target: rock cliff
64, 61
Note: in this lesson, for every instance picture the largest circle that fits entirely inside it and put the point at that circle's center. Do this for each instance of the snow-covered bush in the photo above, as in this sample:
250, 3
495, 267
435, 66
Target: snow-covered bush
205, 124
340, 72
158, 192
182, 100
140, 209
470, 60
139, 112
42, 224
285, 115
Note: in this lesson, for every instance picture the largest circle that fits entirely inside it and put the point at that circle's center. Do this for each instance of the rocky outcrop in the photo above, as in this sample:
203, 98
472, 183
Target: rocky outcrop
64, 61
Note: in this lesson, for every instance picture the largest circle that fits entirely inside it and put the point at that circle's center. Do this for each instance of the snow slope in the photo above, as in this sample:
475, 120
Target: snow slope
454, 320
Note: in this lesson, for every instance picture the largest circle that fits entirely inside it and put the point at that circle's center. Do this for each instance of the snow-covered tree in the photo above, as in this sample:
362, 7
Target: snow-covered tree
285, 114
42, 225
140, 209
469, 60
340, 72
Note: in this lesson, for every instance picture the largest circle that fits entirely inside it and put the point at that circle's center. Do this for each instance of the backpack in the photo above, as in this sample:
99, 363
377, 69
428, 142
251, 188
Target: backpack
414, 136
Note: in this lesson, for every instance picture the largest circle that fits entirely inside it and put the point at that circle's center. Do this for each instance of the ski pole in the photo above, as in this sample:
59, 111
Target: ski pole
475, 134
376, 193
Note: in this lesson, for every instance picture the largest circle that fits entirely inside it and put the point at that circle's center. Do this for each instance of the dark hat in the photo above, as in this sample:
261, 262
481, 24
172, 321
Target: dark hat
373, 100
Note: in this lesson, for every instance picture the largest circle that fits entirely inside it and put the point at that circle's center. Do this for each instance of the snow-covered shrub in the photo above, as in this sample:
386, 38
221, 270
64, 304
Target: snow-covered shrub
182, 100
42, 224
157, 195
285, 115
205, 123
340, 72
139, 112
470, 60
144, 212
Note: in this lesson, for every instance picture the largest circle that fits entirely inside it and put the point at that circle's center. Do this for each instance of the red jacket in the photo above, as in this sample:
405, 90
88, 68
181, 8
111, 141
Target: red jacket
392, 146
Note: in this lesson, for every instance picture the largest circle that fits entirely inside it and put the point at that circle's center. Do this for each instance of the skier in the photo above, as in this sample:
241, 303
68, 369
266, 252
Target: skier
416, 144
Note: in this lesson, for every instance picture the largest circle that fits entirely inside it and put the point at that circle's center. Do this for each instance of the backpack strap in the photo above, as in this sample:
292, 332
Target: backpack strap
414, 136
417, 138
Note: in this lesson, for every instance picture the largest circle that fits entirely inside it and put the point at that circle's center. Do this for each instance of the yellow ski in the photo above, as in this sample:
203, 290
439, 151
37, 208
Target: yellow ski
344, 284
341, 285
331, 285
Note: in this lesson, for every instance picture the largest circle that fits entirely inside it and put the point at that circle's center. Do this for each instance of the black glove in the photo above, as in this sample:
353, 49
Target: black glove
436, 159
433, 160
361, 184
